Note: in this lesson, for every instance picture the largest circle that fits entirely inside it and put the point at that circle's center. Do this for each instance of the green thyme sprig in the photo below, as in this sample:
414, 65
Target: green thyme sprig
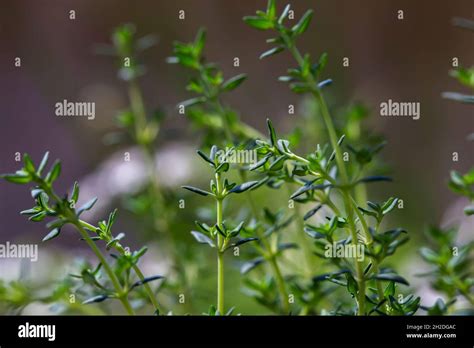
64, 211
219, 236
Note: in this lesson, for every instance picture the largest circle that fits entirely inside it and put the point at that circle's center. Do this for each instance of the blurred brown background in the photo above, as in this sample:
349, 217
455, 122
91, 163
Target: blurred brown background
405, 60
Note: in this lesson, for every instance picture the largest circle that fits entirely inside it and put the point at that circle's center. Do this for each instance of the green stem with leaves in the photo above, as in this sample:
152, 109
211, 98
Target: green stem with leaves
120, 293
348, 201
135, 267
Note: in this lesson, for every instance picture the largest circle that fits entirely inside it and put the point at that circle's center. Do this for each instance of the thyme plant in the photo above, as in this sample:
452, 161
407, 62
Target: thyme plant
48, 204
319, 177
209, 112
219, 236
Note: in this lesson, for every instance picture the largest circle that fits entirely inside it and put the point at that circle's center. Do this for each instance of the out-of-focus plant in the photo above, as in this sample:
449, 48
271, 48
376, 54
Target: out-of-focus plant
48, 204
320, 179
452, 272
141, 127
206, 110
219, 236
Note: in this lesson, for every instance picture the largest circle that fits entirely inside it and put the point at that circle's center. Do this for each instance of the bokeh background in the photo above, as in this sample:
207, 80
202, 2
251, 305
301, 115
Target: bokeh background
402, 60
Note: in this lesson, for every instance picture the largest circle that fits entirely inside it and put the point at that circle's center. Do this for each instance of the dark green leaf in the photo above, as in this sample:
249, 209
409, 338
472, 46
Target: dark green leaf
271, 52
205, 157
374, 179
244, 187
75, 192
29, 166
312, 212
391, 277
233, 82
20, 177
96, 299
146, 280
196, 190
54, 172
272, 133
258, 22
223, 167
241, 241
303, 24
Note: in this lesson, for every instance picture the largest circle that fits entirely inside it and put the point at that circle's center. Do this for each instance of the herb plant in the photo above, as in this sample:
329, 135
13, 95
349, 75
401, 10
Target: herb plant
219, 236
64, 211
332, 254
326, 177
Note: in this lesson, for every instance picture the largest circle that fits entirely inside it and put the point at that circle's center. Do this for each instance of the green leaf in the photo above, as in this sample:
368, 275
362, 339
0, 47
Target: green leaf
86, 206
271, 131
75, 192
277, 164
469, 210
284, 14
53, 234
250, 265
54, 172
146, 280
223, 167
312, 212
43, 163
303, 24
389, 205
374, 178
20, 177
233, 82
38, 217
206, 158
96, 299
241, 241
429, 255
389, 290
260, 163
199, 41
271, 9
391, 277
29, 166
204, 227
271, 52
192, 102
258, 22
244, 187
196, 190
202, 238
352, 286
